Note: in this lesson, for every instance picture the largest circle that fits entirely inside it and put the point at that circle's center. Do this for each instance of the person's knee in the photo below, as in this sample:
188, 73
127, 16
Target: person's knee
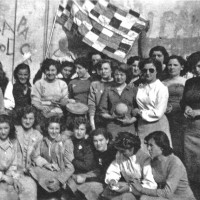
128, 196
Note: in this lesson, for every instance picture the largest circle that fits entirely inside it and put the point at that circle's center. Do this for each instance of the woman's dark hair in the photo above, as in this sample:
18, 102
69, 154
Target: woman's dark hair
83, 61
47, 63
192, 60
162, 50
132, 59
153, 61
122, 68
182, 62
19, 67
4, 118
161, 140
23, 111
3, 79
101, 62
67, 64
126, 140
48, 121
101, 131
81, 120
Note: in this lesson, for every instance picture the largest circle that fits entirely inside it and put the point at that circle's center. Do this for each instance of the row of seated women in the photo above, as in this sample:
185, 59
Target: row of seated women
77, 164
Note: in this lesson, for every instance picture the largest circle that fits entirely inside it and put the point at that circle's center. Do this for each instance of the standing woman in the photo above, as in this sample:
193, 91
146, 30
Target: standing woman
191, 107
80, 86
152, 98
175, 84
7, 90
160, 53
49, 94
117, 104
96, 90
22, 86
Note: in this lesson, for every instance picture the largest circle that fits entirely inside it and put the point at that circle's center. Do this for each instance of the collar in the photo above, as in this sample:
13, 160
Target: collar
85, 77
104, 81
58, 139
5, 145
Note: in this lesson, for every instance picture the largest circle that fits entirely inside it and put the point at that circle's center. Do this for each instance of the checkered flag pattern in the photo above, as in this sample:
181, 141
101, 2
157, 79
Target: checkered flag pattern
102, 25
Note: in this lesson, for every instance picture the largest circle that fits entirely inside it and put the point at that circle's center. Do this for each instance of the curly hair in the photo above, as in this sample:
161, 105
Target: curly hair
3, 79
47, 63
67, 64
83, 61
23, 111
7, 119
181, 61
101, 131
81, 120
19, 67
126, 140
153, 61
192, 60
48, 121
161, 140
162, 50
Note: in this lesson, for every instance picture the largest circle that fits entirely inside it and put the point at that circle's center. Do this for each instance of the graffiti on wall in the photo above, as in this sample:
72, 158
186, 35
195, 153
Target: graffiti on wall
22, 29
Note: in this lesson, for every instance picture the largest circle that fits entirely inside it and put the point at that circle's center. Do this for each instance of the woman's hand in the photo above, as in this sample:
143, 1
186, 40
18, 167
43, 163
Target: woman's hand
53, 184
80, 179
137, 185
18, 186
9, 180
127, 120
112, 183
189, 113
169, 108
123, 187
50, 167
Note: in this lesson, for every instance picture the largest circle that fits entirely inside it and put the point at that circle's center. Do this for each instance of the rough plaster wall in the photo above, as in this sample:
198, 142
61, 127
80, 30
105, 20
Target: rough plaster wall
174, 24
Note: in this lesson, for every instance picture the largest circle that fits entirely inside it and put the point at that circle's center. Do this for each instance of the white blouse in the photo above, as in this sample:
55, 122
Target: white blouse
135, 167
152, 100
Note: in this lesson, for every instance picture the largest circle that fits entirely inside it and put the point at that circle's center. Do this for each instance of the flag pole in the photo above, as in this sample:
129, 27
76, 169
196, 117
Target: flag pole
14, 38
51, 34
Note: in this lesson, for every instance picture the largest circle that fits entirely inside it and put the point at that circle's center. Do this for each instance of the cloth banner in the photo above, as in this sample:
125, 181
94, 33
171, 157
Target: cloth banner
102, 25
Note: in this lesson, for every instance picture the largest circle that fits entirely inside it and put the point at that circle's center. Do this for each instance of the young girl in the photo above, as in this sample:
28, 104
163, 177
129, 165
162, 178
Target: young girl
53, 158
8, 162
28, 138
22, 86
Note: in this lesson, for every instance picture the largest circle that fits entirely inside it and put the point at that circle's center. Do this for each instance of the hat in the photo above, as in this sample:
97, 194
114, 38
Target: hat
77, 108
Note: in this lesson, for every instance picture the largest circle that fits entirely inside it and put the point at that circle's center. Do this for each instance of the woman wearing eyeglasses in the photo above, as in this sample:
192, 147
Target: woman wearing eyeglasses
152, 98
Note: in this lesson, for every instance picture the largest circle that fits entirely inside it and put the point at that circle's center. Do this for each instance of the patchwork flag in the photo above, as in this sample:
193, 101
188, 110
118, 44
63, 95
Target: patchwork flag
103, 26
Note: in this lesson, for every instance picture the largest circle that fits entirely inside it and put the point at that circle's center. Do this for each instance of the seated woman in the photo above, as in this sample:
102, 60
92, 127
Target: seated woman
119, 93
168, 171
53, 158
50, 94
131, 163
9, 186
104, 154
28, 138
80, 86
22, 86
7, 90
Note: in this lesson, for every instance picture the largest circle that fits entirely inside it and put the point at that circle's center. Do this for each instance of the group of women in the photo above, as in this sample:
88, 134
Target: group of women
121, 148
